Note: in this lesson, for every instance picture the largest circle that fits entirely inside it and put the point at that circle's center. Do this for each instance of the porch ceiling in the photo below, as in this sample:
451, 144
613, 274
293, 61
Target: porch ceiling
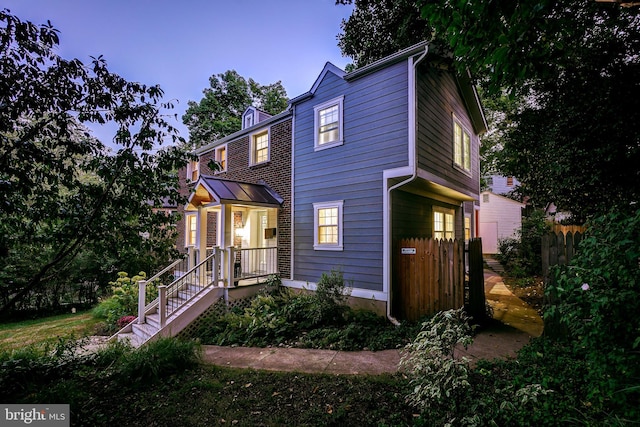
210, 190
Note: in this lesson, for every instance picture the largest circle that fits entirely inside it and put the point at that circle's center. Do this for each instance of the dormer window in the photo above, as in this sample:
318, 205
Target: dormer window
252, 116
248, 121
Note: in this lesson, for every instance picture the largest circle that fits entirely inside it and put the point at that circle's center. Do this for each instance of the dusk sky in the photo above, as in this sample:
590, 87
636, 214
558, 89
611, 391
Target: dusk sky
180, 44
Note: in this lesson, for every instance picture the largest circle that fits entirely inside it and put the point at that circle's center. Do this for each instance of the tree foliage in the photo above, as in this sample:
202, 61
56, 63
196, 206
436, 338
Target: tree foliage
219, 112
575, 141
62, 192
378, 28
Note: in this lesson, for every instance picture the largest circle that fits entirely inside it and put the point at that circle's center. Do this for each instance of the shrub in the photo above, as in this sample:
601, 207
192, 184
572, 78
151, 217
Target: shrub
521, 255
329, 299
438, 378
124, 298
156, 360
596, 301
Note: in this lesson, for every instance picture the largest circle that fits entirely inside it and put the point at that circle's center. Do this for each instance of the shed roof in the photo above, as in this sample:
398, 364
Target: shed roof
212, 190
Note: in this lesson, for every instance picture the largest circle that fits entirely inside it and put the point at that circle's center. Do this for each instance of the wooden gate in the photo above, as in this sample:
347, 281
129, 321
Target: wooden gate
429, 276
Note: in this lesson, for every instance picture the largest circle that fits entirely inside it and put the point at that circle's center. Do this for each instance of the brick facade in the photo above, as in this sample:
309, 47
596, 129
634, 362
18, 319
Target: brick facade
276, 173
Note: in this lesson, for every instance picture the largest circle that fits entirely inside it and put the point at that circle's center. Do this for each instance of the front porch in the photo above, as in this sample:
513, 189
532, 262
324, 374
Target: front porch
240, 220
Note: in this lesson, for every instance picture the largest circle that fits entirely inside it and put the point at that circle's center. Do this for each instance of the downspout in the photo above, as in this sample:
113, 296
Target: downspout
292, 193
413, 161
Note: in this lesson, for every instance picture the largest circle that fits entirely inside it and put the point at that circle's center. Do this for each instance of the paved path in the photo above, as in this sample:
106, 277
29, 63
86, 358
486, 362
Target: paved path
518, 323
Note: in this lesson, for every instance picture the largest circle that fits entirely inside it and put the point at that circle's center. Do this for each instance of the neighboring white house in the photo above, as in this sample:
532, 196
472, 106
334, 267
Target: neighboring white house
499, 184
499, 217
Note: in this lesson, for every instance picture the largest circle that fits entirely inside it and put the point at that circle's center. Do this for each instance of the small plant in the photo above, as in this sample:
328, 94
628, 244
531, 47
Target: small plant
330, 297
124, 321
438, 378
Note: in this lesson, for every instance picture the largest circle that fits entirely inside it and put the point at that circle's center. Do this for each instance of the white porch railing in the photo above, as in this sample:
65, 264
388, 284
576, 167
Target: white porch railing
254, 262
218, 268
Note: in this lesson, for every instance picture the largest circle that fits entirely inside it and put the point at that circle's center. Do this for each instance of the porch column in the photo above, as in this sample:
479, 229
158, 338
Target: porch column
202, 233
226, 236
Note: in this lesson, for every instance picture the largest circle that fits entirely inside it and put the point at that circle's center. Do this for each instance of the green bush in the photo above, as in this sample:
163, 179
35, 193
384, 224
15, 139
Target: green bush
596, 302
437, 377
280, 316
521, 256
124, 298
155, 360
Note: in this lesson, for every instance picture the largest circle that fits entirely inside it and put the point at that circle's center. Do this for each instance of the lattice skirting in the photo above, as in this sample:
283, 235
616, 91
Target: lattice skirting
218, 309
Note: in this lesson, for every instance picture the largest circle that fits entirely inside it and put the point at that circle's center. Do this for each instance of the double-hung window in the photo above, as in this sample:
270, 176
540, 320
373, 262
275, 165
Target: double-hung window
443, 224
461, 147
327, 219
191, 222
328, 124
221, 158
193, 170
260, 147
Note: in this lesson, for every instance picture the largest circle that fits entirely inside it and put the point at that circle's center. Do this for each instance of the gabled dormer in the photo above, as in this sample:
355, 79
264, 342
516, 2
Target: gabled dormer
252, 116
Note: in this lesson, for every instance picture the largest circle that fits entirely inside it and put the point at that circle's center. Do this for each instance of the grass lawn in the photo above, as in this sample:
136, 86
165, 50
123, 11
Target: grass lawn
20, 334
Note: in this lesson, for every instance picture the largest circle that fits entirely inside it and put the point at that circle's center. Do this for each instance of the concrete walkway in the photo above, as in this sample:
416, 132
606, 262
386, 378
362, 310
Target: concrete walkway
517, 324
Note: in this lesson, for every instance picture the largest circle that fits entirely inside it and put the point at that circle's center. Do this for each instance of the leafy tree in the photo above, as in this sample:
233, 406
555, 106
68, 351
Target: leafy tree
575, 141
378, 28
219, 112
62, 192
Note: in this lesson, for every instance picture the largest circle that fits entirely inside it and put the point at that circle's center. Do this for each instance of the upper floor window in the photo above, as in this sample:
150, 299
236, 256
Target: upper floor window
193, 170
221, 158
327, 218
260, 147
509, 181
443, 224
461, 147
328, 124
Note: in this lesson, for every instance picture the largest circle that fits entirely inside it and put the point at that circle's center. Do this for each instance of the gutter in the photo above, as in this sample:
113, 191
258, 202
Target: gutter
413, 161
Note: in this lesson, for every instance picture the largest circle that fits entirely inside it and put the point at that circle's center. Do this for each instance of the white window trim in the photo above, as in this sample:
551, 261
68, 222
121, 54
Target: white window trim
187, 230
216, 157
325, 246
252, 142
339, 101
461, 167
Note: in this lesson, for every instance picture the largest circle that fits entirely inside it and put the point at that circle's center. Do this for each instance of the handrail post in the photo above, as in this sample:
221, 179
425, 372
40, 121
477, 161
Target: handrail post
162, 305
142, 289
215, 272
230, 266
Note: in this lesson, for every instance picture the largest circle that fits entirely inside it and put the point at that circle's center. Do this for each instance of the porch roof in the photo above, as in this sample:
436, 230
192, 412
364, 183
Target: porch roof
211, 190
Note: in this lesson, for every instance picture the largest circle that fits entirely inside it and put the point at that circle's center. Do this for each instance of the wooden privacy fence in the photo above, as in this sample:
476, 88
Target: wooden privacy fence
558, 249
429, 277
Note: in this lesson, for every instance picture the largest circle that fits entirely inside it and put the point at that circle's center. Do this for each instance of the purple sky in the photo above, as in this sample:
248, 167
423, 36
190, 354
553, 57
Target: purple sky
179, 44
